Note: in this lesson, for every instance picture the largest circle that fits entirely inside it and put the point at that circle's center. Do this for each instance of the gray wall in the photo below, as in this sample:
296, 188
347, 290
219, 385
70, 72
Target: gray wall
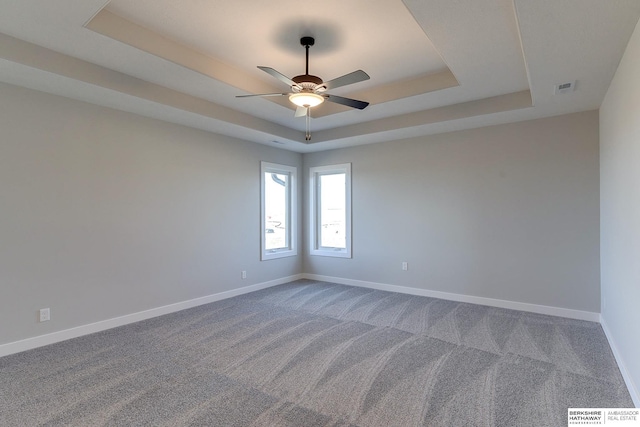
508, 212
104, 213
620, 210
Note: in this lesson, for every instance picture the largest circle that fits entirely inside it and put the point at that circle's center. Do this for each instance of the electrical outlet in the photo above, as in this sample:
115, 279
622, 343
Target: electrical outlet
405, 266
45, 314
244, 274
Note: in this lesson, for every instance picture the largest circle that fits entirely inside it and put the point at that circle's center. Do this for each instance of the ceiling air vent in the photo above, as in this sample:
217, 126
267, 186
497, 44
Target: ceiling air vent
565, 87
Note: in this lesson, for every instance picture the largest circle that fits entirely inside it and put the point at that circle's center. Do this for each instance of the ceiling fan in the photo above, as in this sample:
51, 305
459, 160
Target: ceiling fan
308, 91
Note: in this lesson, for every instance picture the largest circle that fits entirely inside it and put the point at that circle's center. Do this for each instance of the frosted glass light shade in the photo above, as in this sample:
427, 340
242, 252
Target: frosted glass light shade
306, 99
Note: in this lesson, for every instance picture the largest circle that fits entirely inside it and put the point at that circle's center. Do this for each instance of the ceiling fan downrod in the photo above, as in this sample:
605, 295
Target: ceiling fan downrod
307, 42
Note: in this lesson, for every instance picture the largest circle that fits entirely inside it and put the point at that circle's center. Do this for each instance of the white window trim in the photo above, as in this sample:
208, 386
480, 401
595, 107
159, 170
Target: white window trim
292, 220
314, 172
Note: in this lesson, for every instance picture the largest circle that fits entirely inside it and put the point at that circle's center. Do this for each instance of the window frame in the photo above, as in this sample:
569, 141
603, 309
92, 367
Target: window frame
314, 223
291, 212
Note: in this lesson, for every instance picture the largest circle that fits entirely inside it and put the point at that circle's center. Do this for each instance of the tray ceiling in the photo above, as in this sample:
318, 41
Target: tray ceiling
435, 65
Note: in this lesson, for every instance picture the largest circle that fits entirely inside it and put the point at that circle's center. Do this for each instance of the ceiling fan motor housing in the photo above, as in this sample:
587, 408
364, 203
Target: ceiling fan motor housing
307, 78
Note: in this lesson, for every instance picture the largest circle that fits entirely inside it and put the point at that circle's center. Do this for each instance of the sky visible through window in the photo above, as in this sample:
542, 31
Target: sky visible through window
332, 211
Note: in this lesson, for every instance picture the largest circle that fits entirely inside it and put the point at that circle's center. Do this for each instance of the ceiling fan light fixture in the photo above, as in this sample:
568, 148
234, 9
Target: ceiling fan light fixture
306, 99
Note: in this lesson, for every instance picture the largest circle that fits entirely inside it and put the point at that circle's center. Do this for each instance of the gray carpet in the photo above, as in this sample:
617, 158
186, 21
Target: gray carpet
318, 354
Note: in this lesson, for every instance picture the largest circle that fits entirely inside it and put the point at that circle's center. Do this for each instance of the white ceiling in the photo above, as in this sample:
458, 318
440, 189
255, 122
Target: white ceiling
435, 65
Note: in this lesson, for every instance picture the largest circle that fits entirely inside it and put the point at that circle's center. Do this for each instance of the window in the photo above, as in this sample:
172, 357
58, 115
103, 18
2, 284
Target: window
331, 210
278, 211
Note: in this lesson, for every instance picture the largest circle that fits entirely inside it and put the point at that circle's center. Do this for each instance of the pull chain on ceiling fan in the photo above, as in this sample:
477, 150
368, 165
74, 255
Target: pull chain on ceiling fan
308, 91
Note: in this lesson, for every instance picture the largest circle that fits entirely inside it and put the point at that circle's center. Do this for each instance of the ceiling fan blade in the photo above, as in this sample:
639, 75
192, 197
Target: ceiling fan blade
278, 75
347, 79
262, 94
354, 103
301, 112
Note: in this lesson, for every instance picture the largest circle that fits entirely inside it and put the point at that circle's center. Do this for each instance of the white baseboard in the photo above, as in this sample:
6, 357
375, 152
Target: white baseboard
633, 390
42, 340
54, 337
513, 305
